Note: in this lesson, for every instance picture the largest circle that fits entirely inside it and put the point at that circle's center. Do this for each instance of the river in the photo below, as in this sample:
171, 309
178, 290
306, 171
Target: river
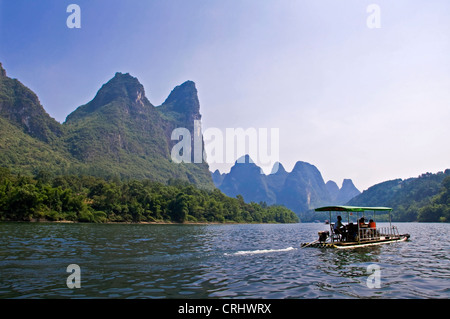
217, 261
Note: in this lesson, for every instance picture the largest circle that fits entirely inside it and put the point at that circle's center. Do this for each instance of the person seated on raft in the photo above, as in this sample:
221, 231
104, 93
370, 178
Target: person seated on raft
372, 227
365, 232
352, 232
339, 228
361, 223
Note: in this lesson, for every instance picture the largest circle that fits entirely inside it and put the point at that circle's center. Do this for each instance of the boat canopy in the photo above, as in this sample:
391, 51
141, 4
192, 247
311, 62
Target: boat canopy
351, 209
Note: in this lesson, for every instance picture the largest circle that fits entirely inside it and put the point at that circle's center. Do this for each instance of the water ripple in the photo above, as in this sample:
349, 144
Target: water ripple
216, 261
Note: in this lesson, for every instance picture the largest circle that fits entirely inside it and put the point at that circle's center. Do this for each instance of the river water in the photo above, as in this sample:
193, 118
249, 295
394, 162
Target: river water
217, 261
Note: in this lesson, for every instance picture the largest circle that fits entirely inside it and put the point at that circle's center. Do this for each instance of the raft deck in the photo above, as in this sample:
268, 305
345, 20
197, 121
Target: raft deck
355, 244
359, 234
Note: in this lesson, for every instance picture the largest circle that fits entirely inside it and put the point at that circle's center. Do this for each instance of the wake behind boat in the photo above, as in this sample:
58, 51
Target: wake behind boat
259, 251
359, 234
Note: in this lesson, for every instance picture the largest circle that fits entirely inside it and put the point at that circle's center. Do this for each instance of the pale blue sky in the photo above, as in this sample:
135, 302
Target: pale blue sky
360, 103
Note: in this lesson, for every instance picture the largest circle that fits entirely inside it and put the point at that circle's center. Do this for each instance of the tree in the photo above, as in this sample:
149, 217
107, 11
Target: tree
90, 199
24, 201
179, 208
439, 208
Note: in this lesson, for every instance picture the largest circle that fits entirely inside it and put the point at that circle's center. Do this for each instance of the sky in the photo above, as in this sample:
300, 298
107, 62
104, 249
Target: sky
360, 93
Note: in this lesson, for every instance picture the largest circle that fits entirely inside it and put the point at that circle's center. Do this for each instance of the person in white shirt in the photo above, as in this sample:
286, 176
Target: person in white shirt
338, 226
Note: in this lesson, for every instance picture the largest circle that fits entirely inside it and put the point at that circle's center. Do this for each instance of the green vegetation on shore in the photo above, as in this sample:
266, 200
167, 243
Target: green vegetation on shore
438, 208
93, 199
425, 198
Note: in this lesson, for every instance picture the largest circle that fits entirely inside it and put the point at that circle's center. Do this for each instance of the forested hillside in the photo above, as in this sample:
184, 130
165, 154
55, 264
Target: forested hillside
93, 199
425, 198
119, 133
438, 209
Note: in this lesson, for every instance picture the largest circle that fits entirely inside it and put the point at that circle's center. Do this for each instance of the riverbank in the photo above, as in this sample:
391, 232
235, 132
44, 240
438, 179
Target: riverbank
43, 221
95, 200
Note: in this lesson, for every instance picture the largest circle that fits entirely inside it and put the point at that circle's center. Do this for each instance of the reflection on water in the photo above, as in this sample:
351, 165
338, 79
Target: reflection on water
215, 261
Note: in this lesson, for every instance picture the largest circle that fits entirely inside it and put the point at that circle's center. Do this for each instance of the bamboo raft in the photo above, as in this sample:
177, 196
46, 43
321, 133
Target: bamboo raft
362, 236
347, 245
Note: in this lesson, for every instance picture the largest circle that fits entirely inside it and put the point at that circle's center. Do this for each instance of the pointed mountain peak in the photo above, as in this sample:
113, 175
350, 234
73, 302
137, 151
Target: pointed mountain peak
2, 71
246, 159
183, 98
22, 106
333, 183
184, 90
278, 168
333, 190
123, 75
348, 183
123, 88
347, 191
245, 163
122, 85
188, 85
299, 166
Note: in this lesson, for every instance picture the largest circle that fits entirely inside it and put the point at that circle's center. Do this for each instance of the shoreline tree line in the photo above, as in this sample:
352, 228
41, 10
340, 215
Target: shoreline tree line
99, 200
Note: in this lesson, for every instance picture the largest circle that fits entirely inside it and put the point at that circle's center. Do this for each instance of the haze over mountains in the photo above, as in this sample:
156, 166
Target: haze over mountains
121, 134
299, 190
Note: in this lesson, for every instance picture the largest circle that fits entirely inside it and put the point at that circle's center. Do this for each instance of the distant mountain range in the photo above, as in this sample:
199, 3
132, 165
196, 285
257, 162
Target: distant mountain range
120, 134
299, 190
117, 134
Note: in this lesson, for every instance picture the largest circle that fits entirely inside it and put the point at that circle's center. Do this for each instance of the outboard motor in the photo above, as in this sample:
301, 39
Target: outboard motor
323, 235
